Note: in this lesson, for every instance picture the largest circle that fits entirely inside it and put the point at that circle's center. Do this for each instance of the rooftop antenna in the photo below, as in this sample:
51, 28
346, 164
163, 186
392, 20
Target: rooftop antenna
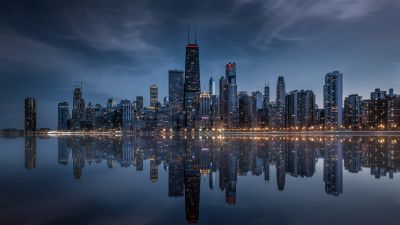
188, 28
195, 35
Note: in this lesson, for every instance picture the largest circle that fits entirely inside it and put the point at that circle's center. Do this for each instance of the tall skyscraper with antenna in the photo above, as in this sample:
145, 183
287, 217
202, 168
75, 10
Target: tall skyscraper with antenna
192, 80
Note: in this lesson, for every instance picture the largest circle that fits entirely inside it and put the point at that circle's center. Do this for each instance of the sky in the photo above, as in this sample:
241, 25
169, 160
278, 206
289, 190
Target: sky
117, 49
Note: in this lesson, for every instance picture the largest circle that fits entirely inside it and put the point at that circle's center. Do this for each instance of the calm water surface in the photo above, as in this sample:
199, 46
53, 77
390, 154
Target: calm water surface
173, 180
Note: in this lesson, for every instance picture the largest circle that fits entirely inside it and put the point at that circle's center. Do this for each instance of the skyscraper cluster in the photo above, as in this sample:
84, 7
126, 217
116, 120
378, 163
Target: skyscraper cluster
187, 107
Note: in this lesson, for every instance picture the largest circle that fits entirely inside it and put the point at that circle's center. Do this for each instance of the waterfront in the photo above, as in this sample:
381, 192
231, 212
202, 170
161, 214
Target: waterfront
277, 179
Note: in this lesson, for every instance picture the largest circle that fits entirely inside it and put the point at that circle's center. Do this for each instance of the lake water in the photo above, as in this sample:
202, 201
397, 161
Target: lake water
203, 180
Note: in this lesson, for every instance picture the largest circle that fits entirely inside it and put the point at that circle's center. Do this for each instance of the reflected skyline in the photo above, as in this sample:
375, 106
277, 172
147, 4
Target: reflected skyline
232, 157
188, 162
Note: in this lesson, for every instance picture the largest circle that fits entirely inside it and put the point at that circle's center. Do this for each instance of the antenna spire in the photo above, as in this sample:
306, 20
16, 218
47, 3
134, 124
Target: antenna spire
195, 34
188, 33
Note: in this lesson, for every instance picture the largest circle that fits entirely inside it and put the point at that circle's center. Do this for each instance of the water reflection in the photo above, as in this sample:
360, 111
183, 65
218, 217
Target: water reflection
30, 152
187, 160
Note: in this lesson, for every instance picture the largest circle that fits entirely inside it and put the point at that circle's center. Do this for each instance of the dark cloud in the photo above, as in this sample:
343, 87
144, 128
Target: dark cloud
119, 48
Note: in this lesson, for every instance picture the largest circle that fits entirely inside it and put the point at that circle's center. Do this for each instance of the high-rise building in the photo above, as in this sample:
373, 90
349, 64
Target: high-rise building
276, 116
99, 120
30, 115
266, 107
333, 92
204, 109
176, 90
111, 103
266, 97
63, 115
211, 87
300, 108
223, 100
280, 91
305, 108
127, 114
291, 109
256, 109
352, 111
192, 82
244, 110
89, 116
78, 107
139, 103
232, 98
393, 110
378, 94
153, 95
381, 111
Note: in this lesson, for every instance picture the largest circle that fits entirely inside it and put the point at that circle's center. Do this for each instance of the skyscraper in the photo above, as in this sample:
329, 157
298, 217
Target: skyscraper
266, 97
139, 103
89, 116
291, 109
204, 106
63, 115
244, 110
153, 95
30, 115
333, 92
256, 109
352, 111
78, 107
192, 81
300, 108
232, 99
211, 87
280, 92
176, 90
127, 114
305, 108
223, 99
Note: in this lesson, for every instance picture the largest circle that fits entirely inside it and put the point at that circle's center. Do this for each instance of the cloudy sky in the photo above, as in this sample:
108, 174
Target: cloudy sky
119, 48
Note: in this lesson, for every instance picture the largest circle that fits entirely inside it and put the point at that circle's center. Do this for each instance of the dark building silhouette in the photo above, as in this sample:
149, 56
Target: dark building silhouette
176, 170
63, 151
30, 115
78, 107
63, 116
153, 95
192, 182
333, 99
192, 81
333, 168
280, 92
30, 152
352, 111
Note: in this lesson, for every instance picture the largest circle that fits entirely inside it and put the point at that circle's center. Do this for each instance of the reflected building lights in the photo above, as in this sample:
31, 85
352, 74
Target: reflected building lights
224, 161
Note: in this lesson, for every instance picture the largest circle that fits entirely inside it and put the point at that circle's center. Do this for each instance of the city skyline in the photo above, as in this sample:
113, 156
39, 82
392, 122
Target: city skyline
45, 61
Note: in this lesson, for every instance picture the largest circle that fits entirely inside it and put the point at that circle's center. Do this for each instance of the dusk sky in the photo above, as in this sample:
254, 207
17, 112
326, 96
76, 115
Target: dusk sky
119, 48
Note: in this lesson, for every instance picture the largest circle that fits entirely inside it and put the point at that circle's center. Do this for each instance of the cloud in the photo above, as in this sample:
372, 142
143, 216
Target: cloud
118, 48
287, 20
112, 25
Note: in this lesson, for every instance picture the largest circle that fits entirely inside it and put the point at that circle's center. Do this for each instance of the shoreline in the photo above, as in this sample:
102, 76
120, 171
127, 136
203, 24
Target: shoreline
205, 133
